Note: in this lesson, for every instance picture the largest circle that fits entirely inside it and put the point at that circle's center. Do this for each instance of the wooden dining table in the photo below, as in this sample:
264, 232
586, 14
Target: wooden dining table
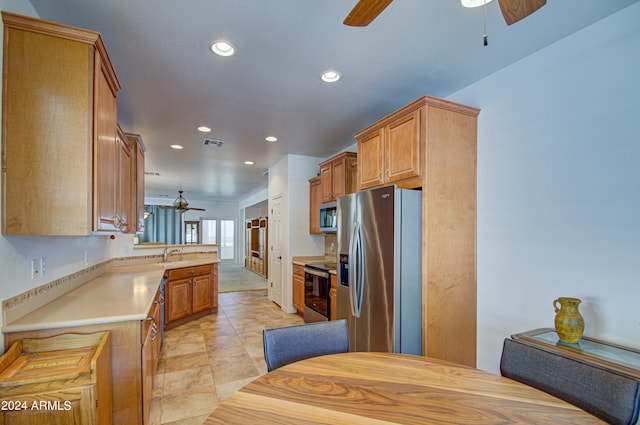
386, 388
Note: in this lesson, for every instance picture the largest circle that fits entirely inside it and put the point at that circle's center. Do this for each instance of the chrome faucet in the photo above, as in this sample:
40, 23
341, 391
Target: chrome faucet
167, 253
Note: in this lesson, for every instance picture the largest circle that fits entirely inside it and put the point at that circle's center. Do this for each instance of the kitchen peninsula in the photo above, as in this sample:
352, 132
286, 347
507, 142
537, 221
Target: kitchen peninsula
126, 300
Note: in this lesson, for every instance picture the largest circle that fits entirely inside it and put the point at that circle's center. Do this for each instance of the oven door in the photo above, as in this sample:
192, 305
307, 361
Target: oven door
316, 295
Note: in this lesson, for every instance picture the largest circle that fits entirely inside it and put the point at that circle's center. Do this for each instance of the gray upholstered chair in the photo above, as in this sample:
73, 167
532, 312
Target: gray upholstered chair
611, 396
292, 343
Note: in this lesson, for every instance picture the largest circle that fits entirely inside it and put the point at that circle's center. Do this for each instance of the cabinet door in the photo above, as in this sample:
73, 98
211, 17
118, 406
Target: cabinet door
298, 287
333, 297
105, 154
402, 148
314, 206
139, 188
124, 178
147, 375
370, 160
340, 178
202, 293
77, 407
178, 300
326, 183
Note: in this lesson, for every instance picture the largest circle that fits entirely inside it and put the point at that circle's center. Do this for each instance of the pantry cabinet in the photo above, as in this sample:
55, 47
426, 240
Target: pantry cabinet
431, 144
191, 292
59, 145
336, 177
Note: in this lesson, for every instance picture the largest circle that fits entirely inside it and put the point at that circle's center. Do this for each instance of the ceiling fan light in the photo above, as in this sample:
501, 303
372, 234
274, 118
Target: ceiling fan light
474, 3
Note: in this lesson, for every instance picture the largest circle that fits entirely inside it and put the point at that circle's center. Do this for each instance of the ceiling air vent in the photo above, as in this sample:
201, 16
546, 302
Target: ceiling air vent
213, 142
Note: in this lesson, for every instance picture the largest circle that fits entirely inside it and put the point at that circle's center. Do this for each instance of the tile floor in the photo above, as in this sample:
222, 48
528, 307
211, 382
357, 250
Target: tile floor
204, 361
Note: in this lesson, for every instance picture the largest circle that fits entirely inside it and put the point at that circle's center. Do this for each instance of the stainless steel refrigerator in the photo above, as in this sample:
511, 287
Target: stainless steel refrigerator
379, 272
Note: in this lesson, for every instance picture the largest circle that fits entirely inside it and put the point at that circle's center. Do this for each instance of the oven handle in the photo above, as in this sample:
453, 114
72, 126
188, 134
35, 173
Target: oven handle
316, 272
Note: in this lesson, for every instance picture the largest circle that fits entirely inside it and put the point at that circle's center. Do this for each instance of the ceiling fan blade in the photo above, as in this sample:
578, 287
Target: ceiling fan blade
365, 11
515, 10
196, 209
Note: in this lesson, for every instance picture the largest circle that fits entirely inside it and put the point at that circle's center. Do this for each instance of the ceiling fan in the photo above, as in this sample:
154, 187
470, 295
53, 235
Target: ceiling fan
366, 11
182, 205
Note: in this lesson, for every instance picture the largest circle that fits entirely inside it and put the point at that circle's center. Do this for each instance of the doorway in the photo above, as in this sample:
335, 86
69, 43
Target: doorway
221, 231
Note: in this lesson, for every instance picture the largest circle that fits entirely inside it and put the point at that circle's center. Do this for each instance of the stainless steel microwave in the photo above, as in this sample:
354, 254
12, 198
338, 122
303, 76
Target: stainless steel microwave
329, 217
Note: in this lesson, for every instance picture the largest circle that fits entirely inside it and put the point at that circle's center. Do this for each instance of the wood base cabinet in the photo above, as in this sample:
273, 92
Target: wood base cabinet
133, 359
298, 288
190, 293
431, 144
64, 379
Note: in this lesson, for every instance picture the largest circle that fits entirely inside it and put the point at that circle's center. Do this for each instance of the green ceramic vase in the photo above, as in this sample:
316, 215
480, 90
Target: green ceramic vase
569, 322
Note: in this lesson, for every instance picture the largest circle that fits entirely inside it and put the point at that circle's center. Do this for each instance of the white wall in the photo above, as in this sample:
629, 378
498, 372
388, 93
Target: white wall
559, 186
289, 180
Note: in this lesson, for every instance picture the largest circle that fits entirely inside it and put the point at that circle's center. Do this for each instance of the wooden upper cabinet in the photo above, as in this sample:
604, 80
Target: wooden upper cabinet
370, 158
124, 198
314, 205
59, 102
390, 151
402, 148
137, 184
336, 176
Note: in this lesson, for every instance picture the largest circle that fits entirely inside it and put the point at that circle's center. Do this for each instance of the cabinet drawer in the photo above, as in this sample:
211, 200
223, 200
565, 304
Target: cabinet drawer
189, 272
298, 271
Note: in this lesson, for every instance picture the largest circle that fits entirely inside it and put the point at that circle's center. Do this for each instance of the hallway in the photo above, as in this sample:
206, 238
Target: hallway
204, 361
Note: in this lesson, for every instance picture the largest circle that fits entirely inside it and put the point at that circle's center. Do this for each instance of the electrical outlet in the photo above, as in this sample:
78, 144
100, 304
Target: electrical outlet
43, 266
35, 268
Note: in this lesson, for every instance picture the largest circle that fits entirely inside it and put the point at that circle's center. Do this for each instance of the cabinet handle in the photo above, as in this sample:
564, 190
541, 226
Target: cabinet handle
386, 174
380, 177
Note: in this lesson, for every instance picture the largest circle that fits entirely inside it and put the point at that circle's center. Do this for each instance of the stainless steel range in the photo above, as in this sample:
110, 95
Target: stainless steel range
317, 284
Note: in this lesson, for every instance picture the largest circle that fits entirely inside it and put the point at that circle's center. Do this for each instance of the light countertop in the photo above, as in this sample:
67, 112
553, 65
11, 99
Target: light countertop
123, 293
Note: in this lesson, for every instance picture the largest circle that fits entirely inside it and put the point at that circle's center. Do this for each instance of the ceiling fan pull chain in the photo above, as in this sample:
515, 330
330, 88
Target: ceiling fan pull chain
485, 39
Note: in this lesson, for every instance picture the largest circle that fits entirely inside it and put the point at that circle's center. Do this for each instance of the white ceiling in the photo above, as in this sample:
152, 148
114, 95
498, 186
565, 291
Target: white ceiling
172, 83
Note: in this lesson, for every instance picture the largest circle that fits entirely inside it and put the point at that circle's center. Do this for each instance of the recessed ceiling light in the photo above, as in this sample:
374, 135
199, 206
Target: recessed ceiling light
249, 162
271, 139
474, 3
330, 76
204, 129
177, 147
223, 48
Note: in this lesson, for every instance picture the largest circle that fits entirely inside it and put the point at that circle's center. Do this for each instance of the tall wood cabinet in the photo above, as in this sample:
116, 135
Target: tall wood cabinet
65, 169
431, 144
256, 253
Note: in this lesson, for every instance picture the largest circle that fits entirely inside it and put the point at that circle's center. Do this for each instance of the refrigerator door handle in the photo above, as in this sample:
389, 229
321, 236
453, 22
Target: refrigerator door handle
352, 261
359, 291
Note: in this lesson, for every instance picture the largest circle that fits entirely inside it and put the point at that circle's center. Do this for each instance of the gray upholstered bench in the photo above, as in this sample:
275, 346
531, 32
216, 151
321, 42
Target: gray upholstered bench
607, 394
